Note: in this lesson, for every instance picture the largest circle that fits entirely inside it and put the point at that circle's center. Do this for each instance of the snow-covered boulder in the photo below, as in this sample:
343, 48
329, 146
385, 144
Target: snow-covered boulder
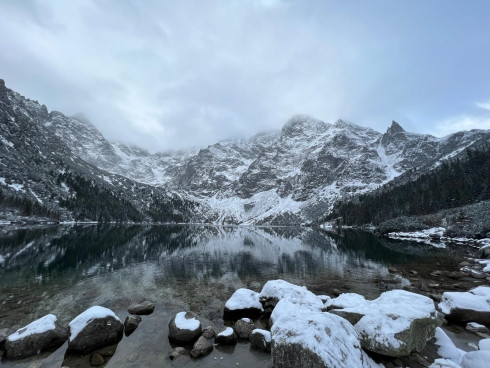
485, 251
315, 339
276, 290
446, 348
476, 328
185, 328
94, 328
484, 344
227, 337
476, 359
471, 306
347, 300
243, 328
260, 339
243, 303
38, 336
395, 324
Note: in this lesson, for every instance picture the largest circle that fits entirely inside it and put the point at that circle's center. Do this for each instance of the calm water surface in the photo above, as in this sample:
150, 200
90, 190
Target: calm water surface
66, 269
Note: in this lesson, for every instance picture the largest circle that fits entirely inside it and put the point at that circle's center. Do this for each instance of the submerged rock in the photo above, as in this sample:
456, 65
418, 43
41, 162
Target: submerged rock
38, 336
94, 328
243, 303
144, 308
202, 347
185, 328
472, 306
395, 324
476, 328
178, 353
227, 337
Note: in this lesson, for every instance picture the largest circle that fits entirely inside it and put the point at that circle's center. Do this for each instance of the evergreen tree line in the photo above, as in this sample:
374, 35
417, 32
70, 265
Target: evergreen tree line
453, 184
26, 206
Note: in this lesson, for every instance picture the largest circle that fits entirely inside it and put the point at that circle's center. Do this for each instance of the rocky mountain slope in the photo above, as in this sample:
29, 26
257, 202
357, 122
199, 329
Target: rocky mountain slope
291, 176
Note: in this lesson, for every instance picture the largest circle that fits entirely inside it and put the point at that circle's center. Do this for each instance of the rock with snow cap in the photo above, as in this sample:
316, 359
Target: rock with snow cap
260, 339
476, 359
395, 324
243, 328
314, 339
185, 328
227, 337
94, 328
471, 306
243, 303
41, 335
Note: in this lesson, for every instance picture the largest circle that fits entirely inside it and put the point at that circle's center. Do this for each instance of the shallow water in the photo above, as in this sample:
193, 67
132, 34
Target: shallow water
66, 269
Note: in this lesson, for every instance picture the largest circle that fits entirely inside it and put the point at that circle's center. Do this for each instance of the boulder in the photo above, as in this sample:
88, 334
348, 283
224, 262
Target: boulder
131, 323
202, 347
185, 328
314, 339
41, 335
277, 290
227, 337
142, 308
178, 353
243, 328
260, 339
471, 306
395, 324
208, 333
94, 328
476, 327
97, 359
476, 359
243, 303
347, 300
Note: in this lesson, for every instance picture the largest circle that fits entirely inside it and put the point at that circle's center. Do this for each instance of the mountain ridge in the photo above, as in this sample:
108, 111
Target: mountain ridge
294, 175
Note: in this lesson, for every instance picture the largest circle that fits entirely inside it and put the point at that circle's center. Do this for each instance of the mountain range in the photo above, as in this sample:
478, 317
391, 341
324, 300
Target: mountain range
63, 165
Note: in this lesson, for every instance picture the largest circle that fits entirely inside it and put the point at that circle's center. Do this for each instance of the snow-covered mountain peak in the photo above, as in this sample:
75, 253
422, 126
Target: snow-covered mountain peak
303, 125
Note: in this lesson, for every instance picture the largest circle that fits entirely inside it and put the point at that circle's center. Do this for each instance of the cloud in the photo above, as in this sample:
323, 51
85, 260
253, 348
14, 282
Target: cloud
172, 74
483, 105
460, 123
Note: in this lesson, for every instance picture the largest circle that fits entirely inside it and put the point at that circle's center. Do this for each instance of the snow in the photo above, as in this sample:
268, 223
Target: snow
330, 337
447, 349
348, 300
474, 325
39, 326
79, 322
477, 299
391, 313
476, 359
2, 259
247, 320
244, 299
281, 289
444, 363
423, 236
17, 187
265, 333
182, 323
227, 332
2, 181
484, 344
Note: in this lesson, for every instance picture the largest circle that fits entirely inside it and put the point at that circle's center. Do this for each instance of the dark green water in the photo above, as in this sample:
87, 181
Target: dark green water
66, 269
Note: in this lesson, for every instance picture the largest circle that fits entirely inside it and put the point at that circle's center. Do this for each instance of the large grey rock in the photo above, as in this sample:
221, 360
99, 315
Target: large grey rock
261, 339
41, 335
142, 308
131, 323
202, 347
243, 303
227, 337
395, 324
94, 328
185, 328
472, 306
314, 339
243, 328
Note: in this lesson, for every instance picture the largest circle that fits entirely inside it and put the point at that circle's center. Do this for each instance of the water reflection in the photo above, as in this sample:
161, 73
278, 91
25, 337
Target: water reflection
66, 268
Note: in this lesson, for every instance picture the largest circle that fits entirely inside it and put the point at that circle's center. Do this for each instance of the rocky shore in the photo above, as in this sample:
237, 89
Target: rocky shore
293, 325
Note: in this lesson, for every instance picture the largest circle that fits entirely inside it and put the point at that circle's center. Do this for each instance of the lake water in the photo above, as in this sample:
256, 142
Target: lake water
66, 269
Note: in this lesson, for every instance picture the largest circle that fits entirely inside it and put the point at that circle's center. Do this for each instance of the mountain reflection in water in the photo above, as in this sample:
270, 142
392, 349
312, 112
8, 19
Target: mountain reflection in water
65, 269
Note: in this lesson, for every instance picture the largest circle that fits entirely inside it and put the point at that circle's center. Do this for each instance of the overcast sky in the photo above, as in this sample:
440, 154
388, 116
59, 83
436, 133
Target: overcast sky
174, 74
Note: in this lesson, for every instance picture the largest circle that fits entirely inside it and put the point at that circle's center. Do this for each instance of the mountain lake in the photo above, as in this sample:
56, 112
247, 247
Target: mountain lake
66, 269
